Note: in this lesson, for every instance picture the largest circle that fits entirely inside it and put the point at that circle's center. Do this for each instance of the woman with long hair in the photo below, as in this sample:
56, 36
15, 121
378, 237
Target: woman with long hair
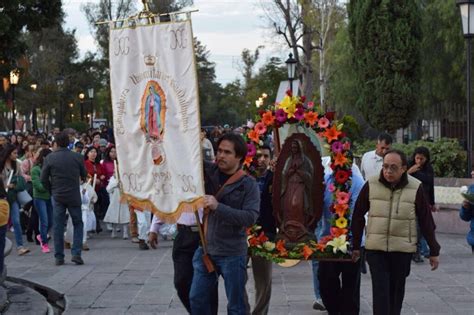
420, 168
42, 200
13, 181
108, 163
93, 167
32, 231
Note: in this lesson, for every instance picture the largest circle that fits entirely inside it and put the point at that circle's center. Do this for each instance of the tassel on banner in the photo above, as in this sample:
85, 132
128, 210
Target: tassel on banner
146, 205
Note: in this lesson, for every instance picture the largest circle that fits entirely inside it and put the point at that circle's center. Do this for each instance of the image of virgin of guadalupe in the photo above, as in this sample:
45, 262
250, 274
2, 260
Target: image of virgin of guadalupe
152, 114
152, 119
296, 193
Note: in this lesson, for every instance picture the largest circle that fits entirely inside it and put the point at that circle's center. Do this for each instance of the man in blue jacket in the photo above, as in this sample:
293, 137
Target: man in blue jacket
232, 201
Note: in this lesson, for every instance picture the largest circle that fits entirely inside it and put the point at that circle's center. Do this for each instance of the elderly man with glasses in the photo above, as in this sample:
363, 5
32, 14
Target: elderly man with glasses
394, 201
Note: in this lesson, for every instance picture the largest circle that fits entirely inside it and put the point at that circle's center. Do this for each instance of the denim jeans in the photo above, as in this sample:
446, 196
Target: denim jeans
315, 264
59, 216
232, 269
45, 213
15, 216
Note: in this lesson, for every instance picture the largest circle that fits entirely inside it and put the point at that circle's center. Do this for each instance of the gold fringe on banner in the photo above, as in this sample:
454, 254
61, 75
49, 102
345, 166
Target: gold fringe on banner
147, 205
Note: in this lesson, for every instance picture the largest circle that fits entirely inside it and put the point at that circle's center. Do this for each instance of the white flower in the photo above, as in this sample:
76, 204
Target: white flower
250, 124
269, 246
339, 243
264, 95
463, 190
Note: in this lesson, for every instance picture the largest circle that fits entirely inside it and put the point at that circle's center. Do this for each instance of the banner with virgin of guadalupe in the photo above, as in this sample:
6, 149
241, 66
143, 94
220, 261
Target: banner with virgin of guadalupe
156, 117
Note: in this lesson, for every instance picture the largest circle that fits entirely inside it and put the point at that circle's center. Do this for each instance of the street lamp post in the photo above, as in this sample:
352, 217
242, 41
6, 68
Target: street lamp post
14, 78
34, 86
467, 18
60, 84
291, 66
81, 100
90, 93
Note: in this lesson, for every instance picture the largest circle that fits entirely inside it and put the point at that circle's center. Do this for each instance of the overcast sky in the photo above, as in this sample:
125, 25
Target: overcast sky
226, 27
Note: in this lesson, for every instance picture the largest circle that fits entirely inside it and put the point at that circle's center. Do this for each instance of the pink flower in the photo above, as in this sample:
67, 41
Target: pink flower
299, 114
250, 124
323, 123
280, 115
347, 146
331, 187
337, 147
260, 128
310, 104
251, 150
342, 197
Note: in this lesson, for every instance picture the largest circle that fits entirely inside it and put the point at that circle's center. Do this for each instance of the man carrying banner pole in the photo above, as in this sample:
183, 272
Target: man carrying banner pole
232, 203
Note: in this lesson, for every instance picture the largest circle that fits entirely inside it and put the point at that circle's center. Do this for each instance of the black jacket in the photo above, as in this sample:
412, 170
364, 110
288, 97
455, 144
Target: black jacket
61, 172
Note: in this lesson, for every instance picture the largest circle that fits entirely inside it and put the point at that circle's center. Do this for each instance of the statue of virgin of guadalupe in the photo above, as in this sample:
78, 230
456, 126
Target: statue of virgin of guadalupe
296, 190
152, 114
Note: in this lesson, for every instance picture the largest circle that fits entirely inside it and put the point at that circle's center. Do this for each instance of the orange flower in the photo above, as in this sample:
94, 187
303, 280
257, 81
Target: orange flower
267, 118
326, 239
336, 232
321, 247
254, 136
340, 159
253, 241
248, 161
262, 237
307, 252
331, 134
311, 118
340, 209
280, 246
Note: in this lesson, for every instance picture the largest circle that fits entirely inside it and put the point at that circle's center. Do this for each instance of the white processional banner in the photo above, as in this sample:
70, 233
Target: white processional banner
156, 117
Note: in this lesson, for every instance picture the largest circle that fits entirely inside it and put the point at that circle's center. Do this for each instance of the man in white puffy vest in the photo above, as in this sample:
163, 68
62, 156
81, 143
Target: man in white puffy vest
394, 201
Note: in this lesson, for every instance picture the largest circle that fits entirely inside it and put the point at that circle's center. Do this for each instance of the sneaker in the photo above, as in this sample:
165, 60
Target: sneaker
318, 305
85, 246
38, 238
143, 245
125, 234
135, 240
77, 260
112, 235
45, 248
59, 262
22, 250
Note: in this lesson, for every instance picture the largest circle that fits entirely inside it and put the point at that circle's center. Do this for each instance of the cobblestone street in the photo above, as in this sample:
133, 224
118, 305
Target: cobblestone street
117, 278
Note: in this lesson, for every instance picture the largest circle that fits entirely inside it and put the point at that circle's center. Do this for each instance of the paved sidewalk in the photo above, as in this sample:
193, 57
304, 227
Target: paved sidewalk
117, 278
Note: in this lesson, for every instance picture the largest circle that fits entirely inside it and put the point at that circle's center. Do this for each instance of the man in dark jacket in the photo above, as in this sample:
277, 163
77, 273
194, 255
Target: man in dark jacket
233, 203
61, 172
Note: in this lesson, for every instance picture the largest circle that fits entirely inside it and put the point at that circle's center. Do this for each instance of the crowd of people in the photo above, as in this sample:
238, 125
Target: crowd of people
37, 171
75, 174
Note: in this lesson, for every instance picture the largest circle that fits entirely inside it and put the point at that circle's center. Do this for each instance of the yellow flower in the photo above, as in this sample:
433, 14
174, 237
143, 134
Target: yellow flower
339, 243
288, 104
341, 222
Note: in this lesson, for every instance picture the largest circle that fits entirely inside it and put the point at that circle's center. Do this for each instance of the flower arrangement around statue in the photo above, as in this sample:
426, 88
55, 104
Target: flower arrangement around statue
294, 110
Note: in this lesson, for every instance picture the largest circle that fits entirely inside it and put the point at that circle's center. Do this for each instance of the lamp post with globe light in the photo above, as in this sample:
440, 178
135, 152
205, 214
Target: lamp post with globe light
14, 78
466, 8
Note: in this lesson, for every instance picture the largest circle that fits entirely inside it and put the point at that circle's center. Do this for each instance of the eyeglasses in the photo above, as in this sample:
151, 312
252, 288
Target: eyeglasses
392, 168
